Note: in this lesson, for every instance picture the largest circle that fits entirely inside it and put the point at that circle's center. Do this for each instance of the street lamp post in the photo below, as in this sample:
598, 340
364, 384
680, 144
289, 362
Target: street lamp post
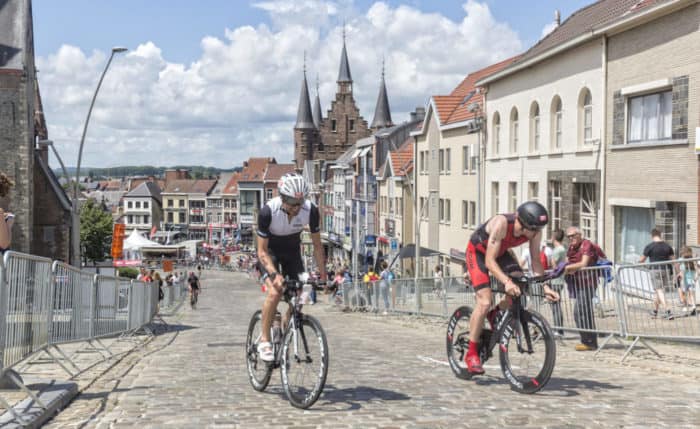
75, 257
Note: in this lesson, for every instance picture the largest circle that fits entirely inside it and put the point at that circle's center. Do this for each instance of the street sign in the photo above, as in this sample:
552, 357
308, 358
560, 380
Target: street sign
394, 244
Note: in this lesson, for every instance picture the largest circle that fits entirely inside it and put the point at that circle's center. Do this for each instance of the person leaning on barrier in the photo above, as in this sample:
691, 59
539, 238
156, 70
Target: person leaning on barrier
659, 251
6, 218
582, 253
558, 256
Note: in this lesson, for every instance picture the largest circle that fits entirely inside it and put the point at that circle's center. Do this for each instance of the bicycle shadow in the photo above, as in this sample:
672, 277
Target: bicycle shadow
558, 386
355, 396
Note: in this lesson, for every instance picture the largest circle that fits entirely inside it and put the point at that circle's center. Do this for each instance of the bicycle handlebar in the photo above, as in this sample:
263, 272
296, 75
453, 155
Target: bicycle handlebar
553, 274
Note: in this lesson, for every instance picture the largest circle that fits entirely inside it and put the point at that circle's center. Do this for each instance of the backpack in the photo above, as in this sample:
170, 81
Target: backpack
544, 260
603, 261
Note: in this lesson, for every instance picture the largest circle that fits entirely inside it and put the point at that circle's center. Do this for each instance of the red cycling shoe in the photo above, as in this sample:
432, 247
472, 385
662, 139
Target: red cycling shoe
474, 364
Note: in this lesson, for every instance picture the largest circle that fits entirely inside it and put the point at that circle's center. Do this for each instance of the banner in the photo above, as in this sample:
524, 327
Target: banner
167, 266
117, 240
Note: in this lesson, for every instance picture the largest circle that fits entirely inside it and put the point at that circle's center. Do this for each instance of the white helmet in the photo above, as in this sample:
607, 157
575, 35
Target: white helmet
293, 185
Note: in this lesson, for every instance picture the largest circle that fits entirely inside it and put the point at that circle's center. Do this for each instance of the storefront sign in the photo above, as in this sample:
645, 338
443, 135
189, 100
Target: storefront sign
394, 244
247, 219
370, 240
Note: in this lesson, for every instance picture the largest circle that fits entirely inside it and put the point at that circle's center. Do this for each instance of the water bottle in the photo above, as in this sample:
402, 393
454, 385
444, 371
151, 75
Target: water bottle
277, 329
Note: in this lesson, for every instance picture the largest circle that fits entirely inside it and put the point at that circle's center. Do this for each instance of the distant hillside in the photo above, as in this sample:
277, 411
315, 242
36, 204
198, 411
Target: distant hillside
196, 171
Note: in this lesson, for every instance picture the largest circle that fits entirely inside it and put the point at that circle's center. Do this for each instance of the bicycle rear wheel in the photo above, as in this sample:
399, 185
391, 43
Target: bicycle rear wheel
259, 372
527, 370
304, 362
458, 341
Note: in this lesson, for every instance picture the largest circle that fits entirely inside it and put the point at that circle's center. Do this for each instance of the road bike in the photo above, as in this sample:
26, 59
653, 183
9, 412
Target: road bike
300, 350
527, 349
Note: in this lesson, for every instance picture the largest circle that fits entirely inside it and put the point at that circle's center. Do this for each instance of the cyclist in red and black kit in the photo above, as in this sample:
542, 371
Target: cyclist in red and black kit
489, 251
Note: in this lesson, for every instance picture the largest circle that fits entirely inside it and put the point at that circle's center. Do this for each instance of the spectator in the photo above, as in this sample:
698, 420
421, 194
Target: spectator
6, 218
386, 277
689, 276
582, 285
369, 280
437, 278
558, 256
159, 282
142, 274
659, 251
526, 259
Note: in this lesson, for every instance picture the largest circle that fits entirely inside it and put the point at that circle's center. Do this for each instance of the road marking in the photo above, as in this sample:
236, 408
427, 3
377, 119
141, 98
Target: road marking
428, 359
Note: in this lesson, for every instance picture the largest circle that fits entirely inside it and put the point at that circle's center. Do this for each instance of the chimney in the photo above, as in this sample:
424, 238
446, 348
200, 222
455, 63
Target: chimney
420, 113
557, 17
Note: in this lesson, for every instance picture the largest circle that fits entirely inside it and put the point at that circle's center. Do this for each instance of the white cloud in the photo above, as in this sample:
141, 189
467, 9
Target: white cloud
239, 98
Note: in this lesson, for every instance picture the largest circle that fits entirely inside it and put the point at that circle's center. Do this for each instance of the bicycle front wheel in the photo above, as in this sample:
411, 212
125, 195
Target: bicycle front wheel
458, 341
527, 351
304, 362
259, 372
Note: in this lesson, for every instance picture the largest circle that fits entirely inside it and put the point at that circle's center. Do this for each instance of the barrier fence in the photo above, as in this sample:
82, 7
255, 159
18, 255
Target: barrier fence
613, 302
44, 304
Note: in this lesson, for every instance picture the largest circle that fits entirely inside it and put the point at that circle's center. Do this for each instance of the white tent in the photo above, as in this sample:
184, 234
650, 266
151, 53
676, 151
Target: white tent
136, 241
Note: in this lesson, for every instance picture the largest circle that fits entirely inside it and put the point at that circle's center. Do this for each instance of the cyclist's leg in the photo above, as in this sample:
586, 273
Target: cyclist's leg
509, 265
290, 267
481, 283
269, 308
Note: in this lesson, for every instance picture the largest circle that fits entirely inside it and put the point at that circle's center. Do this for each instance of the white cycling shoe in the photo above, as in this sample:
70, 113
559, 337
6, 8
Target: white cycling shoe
265, 351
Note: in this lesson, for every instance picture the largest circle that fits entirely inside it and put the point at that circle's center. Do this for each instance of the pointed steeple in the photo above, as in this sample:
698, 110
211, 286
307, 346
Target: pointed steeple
382, 113
344, 75
317, 108
304, 117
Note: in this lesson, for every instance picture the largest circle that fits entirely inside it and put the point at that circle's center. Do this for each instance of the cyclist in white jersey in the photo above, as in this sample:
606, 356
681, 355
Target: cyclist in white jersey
280, 223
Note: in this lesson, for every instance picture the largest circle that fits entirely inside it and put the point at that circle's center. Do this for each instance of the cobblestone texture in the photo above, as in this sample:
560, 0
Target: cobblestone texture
385, 371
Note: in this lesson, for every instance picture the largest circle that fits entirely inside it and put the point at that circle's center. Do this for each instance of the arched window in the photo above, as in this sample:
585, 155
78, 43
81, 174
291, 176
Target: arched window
496, 133
534, 127
585, 117
514, 130
556, 116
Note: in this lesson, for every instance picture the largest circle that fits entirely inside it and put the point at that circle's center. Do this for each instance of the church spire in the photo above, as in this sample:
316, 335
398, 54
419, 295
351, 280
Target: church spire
344, 75
317, 108
382, 113
304, 117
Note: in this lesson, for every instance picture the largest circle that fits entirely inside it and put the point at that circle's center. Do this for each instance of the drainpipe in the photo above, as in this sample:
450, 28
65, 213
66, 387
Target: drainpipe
602, 147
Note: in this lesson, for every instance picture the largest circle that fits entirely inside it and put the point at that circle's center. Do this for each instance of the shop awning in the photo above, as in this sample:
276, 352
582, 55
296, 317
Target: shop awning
409, 251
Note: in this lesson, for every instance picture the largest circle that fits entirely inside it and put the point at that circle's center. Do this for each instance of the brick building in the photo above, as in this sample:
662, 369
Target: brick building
42, 209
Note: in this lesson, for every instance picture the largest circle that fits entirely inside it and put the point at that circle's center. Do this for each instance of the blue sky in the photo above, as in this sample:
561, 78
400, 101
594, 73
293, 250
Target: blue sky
214, 82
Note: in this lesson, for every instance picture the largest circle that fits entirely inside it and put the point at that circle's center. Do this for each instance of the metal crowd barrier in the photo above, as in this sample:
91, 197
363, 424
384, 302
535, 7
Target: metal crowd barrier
44, 304
639, 301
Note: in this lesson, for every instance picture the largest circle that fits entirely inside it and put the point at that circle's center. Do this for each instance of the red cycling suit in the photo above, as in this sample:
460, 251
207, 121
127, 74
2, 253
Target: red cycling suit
476, 253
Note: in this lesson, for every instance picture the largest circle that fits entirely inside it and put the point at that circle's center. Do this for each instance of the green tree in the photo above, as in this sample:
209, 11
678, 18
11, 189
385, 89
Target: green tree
95, 230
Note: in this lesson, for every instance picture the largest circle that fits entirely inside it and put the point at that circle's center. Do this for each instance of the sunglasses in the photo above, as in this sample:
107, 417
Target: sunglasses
572, 236
293, 202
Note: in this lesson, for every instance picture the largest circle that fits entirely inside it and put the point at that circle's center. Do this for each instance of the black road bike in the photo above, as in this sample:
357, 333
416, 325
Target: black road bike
300, 350
527, 349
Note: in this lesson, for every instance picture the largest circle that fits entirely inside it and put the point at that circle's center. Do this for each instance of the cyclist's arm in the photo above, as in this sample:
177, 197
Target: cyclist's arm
315, 230
535, 262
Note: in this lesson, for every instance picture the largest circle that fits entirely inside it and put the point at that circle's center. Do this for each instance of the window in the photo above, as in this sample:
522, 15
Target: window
587, 116
422, 161
334, 127
137, 204
268, 194
512, 196
494, 198
465, 214
632, 226
182, 203
556, 123
465, 159
145, 205
423, 209
649, 117
555, 199
448, 211
472, 213
496, 133
533, 191
514, 130
448, 160
170, 203
475, 159
170, 217
351, 125
391, 206
130, 219
441, 161
535, 127
588, 206
444, 210
146, 219
129, 205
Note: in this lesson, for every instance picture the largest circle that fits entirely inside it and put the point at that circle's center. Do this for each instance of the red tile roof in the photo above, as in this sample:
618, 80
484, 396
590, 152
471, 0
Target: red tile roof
254, 169
401, 158
232, 186
275, 171
190, 186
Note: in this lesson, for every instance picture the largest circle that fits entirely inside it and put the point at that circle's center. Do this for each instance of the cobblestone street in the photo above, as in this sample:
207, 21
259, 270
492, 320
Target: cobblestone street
385, 371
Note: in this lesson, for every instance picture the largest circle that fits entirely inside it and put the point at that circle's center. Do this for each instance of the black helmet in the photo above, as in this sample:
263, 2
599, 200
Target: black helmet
533, 215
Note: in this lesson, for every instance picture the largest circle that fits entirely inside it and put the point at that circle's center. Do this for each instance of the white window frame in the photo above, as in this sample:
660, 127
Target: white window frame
448, 160
533, 191
588, 118
465, 159
512, 196
555, 196
465, 214
514, 131
666, 118
495, 190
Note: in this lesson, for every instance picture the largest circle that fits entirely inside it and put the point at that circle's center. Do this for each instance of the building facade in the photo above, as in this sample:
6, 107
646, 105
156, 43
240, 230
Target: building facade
142, 209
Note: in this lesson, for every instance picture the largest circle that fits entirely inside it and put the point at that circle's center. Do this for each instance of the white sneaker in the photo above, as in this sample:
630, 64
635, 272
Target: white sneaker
385, 313
685, 309
265, 351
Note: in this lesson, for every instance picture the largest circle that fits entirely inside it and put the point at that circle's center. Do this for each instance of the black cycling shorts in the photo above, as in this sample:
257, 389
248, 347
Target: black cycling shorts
288, 265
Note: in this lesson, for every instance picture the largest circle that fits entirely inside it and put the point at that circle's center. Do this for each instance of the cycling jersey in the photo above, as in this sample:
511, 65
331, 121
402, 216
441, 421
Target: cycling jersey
476, 253
284, 235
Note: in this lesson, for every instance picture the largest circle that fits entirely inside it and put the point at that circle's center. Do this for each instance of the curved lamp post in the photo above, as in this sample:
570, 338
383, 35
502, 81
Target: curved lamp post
76, 218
